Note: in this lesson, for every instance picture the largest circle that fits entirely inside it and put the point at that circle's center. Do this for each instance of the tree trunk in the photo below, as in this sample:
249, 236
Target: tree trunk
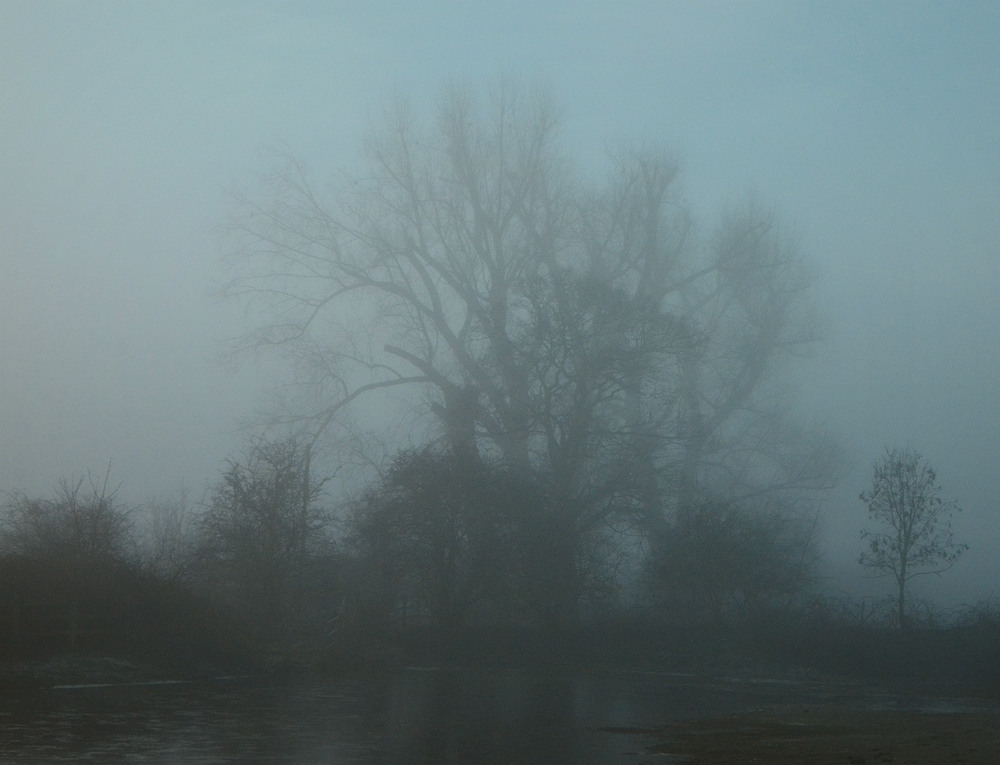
901, 603
73, 628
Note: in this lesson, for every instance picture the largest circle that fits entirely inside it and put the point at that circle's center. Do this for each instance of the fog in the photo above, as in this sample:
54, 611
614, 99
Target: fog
870, 128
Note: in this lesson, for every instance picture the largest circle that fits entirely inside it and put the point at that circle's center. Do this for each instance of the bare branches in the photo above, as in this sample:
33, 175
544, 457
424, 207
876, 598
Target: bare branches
76, 525
905, 500
582, 334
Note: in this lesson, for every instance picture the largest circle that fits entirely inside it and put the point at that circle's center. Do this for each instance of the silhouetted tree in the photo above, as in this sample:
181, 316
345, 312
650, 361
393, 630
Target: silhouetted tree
437, 540
718, 557
574, 333
167, 538
905, 500
415, 532
751, 315
445, 542
258, 530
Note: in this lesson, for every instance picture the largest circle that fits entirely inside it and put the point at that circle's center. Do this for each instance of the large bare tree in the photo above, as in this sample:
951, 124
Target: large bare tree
577, 332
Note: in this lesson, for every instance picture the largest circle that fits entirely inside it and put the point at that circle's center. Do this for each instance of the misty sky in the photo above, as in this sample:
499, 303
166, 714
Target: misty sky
872, 128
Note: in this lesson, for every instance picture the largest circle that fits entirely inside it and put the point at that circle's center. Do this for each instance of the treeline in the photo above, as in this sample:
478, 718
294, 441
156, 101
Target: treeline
440, 560
75, 577
440, 546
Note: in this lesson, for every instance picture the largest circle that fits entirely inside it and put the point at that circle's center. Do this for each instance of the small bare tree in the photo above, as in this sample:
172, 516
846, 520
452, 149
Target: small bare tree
905, 500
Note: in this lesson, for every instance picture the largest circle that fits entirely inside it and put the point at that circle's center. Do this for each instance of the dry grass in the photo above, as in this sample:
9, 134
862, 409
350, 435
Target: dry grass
835, 737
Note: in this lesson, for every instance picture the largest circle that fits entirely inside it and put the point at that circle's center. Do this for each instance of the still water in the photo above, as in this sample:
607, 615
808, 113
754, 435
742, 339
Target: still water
483, 717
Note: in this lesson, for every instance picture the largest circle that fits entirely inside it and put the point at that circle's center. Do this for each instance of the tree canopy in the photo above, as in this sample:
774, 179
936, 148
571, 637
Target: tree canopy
588, 333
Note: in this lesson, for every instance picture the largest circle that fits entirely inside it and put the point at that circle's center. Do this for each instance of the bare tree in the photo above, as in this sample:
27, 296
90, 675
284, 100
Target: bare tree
578, 333
75, 525
258, 530
413, 269
167, 537
719, 558
905, 500
418, 535
752, 315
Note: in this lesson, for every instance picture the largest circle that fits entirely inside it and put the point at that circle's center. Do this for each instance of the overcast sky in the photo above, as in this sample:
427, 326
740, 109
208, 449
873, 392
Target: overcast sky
872, 128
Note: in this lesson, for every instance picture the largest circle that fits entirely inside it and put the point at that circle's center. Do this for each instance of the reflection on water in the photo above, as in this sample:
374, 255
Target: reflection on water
414, 716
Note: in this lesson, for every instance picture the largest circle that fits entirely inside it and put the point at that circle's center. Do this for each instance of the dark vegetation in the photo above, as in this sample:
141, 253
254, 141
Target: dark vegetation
915, 538
600, 465
434, 565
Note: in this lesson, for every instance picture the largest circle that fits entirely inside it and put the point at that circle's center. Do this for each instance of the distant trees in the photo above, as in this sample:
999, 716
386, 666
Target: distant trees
718, 559
423, 537
258, 532
166, 537
453, 543
915, 535
749, 314
586, 380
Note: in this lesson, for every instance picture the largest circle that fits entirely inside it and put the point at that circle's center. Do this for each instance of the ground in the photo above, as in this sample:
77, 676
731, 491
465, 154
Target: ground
833, 737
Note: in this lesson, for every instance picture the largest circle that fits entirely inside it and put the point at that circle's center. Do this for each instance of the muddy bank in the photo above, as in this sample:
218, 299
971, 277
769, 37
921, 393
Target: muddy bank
833, 737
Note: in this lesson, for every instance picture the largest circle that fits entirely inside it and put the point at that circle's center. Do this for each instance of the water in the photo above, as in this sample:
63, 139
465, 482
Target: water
483, 717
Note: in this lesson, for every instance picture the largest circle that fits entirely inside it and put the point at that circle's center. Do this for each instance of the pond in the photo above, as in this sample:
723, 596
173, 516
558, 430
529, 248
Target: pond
411, 716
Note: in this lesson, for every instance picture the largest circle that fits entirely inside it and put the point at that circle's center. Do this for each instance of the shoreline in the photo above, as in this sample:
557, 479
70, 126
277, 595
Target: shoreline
832, 736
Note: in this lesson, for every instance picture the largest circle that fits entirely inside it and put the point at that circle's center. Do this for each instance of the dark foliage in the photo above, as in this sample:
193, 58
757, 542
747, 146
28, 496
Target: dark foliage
450, 542
718, 561
123, 611
263, 541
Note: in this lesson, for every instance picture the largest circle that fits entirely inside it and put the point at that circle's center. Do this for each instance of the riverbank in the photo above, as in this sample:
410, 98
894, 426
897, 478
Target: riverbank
833, 737
73, 669
113, 710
